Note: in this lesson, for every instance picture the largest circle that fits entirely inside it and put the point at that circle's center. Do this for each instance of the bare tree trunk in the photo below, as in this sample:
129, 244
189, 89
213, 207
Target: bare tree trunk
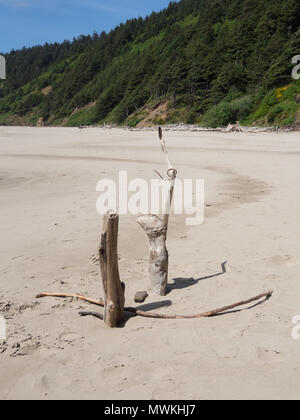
113, 288
156, 230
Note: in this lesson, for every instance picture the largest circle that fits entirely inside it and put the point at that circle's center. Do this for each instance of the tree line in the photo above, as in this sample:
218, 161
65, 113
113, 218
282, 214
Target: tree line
204, 57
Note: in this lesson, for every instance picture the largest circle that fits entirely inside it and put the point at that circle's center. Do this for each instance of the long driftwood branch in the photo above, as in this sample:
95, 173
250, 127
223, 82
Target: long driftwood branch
156, 230
137, 312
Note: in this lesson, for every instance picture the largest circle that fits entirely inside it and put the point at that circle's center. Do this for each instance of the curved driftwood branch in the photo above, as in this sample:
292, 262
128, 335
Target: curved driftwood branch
156, 230
137, 312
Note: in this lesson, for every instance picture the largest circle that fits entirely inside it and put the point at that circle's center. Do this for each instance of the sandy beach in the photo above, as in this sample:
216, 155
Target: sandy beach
50, 232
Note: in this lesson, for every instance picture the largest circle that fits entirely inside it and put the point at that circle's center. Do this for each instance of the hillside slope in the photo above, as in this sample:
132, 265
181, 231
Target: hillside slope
203, 61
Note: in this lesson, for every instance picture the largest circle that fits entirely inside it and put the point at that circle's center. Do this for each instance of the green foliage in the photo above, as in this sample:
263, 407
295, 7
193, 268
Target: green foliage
241, 108
278, 107
28, 103
136, 118
228, 112
218, 115
84, 116
214, 61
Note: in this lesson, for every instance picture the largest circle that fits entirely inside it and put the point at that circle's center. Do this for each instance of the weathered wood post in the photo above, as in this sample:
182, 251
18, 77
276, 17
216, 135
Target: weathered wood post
114, 290
156, 230
159, 256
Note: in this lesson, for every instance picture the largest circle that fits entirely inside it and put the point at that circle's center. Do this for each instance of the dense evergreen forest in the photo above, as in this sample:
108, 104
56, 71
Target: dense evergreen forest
208, 62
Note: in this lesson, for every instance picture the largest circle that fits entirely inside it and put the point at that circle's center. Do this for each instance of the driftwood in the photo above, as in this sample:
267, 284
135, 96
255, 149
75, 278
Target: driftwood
235, 127
113, 288
156, 230
99, 302
137, 312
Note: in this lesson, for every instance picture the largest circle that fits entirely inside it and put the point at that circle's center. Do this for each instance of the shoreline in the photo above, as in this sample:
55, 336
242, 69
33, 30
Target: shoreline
176, 127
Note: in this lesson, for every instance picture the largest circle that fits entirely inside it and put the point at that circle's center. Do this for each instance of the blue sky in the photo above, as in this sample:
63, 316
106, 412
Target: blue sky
32, 22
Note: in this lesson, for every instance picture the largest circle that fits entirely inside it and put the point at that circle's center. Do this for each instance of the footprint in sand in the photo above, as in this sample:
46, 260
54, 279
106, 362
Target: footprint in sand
269, 355
284, 260
272, 277
26, 349
69, 337
94, 259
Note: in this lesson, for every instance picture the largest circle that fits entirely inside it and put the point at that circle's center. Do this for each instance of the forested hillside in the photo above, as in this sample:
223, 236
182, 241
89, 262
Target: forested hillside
198, 61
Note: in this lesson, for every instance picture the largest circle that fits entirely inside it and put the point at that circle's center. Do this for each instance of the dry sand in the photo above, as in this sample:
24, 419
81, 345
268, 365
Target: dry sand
50, 232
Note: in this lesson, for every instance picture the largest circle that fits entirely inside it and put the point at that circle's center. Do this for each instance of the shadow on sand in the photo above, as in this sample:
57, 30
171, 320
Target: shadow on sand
181, 283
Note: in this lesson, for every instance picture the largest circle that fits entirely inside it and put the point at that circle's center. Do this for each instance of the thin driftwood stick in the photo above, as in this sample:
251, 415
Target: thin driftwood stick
156, 230
137, 312
113, 288
71, 295
172, 174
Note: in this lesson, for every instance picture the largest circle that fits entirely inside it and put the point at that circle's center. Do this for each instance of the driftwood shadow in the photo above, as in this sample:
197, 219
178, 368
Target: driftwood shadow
181, 283
148, 307
154, 305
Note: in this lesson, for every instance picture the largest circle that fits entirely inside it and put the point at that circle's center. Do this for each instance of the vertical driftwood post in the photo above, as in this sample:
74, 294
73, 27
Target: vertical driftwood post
156, 230
113, 288
159, 256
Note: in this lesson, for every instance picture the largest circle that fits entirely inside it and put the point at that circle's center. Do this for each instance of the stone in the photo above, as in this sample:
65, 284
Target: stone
140, 297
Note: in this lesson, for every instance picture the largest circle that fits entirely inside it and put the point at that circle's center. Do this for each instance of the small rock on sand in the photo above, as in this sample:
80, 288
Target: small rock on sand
140, 297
